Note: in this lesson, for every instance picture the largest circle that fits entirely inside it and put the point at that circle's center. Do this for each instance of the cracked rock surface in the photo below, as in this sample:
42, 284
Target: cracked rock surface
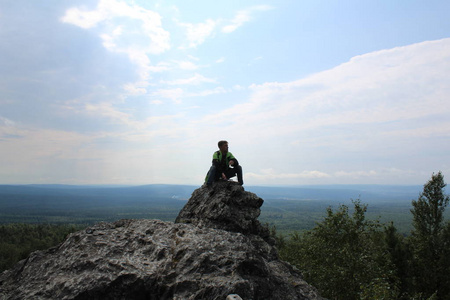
201, 257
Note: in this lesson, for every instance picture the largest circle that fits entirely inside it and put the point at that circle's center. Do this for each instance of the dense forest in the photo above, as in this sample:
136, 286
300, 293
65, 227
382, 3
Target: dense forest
347, 256
19, 240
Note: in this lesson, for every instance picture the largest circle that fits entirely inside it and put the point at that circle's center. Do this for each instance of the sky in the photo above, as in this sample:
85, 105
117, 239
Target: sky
305, 92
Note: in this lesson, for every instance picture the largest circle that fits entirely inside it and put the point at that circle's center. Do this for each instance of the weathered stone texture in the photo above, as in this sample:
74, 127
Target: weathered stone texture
216, 254
225, 205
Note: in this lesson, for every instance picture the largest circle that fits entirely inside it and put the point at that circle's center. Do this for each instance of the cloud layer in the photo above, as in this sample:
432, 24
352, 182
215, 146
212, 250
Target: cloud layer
122, 93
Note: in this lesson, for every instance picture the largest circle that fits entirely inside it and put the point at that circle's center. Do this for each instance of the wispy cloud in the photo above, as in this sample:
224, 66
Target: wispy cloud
106, 109
186, 65
129, 29
266, 175
243, 16
361, 112
178, 94
175, 94
194, 80
197, 34
379, 87
118, 91
6, 122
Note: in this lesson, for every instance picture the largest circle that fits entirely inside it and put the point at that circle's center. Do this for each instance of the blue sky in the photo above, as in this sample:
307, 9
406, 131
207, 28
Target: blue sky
306, 92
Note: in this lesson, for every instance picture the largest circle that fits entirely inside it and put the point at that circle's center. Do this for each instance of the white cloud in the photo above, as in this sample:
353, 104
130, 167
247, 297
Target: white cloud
178, 94
174, 94
204, 93
117, 15
159, 67
136, 88
271, 174
242, 17
6, 122
106, 109
378, 116
386, 109
384, 86
33, 158
193, 57
196, 34
356, 174
186, 65
194, 80
129, 29
83, 19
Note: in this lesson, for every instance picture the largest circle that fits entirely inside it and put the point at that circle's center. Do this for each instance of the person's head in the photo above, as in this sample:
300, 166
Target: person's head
223, 146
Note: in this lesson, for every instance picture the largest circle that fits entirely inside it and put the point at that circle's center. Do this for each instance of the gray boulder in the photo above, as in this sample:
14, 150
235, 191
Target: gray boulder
225, 205
152, 259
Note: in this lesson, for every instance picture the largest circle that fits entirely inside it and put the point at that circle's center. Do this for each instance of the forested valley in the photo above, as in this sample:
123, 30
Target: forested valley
344, 248
19, 240
347, 256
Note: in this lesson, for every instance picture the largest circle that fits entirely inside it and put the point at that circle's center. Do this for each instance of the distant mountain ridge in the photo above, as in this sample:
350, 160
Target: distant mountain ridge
306, 192
289, 208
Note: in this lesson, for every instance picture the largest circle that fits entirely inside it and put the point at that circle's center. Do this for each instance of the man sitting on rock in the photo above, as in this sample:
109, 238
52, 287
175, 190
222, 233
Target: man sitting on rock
224, 166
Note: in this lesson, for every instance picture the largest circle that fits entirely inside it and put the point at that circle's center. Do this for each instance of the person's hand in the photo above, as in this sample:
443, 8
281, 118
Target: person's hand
224, 177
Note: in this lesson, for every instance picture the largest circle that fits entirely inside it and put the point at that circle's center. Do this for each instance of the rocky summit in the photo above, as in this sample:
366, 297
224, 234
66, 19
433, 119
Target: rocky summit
216, 250
225, 205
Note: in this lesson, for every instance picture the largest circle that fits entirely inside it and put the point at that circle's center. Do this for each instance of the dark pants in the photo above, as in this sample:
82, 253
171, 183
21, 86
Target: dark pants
213, 175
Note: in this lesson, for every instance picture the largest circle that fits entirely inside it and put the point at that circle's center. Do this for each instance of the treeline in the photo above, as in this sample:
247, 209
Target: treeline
347, 256
17, 241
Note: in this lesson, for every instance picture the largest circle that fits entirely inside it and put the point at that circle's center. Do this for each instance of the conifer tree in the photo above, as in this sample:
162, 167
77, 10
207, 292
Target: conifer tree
429, 238
400, 255
344, 256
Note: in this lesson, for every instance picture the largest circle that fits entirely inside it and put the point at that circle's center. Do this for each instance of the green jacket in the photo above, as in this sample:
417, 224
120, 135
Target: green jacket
222, 163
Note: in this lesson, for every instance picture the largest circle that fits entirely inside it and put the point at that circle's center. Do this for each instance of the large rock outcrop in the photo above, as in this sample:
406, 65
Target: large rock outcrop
225, 205
214, 252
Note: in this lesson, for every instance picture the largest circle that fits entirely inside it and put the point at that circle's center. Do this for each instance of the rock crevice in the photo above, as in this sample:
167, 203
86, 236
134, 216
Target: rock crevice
215, 248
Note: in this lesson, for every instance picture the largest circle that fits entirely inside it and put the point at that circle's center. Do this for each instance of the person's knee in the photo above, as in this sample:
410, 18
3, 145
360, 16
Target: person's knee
211, 176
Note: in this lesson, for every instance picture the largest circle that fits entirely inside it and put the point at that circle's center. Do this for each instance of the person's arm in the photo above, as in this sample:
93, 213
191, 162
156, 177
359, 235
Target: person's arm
216, 163
215, 160
232, 160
